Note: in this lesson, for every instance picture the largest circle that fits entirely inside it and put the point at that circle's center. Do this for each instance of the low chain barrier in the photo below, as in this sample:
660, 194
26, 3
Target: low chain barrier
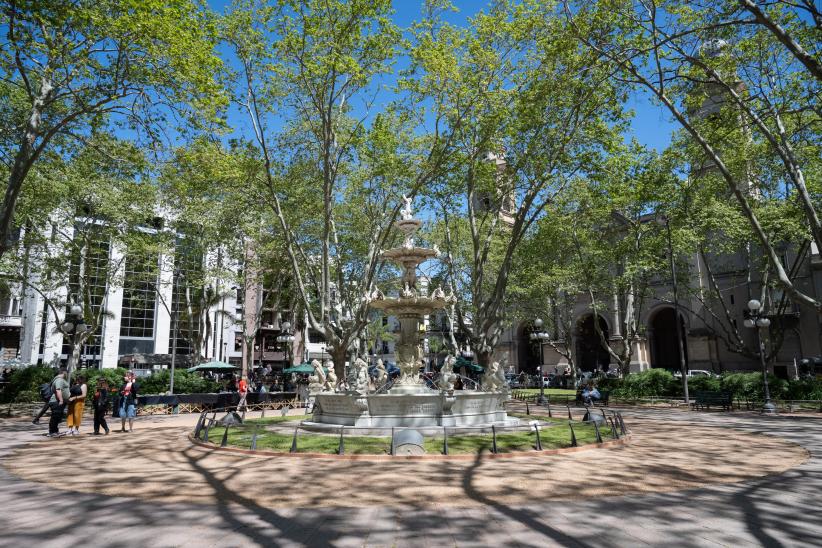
611, 424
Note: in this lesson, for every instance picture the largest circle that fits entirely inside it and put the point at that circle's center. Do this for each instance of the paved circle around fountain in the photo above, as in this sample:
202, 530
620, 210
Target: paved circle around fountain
158, 462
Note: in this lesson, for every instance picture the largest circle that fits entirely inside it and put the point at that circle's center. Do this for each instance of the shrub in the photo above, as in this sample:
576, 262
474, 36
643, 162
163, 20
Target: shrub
804, 389
749, 386
184, 382
25, 383
647, 384
702, 383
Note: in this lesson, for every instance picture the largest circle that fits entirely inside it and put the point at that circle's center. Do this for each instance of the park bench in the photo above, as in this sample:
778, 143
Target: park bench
704, 399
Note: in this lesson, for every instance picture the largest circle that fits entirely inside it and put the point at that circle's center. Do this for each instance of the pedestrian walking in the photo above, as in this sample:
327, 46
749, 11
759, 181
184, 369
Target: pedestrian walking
242, 390
77, 403
128, 401
100, 403
58, 401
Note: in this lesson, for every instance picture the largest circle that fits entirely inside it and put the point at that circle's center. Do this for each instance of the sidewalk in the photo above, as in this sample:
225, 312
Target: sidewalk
153, 487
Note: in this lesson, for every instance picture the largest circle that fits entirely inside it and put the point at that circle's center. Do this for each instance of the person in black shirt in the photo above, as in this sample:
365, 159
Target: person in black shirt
100, 403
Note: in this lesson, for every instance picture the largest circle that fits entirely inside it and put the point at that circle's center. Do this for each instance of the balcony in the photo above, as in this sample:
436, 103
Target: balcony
10, 321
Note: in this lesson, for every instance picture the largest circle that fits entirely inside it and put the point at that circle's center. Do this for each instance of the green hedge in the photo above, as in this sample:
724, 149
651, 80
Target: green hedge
661, 383
25, 382
184, 383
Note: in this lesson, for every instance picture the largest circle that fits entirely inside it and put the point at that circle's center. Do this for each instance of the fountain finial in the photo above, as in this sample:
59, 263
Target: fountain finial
406, 208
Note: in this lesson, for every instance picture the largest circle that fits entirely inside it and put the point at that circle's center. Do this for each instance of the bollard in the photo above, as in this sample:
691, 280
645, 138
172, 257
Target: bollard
254, 440
614, 433
494, 439
199, 427
392, 442
548, 404
570, 418
539, 441
444, 440
262, 413
224, 441
527, 409
341, 448
596, 429
294, 440
573, 436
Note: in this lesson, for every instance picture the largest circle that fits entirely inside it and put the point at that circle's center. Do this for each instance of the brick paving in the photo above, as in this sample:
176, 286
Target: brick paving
687, 479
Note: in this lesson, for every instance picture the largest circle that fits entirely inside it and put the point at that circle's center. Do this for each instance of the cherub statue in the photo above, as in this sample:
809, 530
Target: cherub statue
406, 208
360, 376
316, 381
491, 378
382, 375
438, 293
331, 378
408, 292
377, 295
447, 376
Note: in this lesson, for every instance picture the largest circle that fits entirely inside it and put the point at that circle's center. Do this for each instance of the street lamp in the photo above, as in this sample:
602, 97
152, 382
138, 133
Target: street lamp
73, 325
757, 320
540, 336
286, 337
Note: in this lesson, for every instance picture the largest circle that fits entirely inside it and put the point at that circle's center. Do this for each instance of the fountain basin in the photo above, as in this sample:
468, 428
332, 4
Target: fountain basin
464, 408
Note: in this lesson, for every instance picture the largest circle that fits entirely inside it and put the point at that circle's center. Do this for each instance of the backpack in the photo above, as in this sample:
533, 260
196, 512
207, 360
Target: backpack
46, 391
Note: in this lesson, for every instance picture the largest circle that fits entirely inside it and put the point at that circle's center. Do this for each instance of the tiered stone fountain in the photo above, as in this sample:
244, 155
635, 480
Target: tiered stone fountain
409, 402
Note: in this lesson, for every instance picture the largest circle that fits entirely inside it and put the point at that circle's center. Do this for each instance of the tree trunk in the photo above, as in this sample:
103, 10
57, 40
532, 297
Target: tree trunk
339, 355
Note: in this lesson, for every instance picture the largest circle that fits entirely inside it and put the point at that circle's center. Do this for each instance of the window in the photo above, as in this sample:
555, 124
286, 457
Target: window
139, 296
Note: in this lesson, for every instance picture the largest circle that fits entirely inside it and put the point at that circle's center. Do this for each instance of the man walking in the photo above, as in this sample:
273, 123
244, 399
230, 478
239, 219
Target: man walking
58, 401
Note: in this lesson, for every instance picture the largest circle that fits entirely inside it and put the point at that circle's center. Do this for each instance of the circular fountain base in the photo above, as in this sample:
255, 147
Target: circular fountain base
416, 409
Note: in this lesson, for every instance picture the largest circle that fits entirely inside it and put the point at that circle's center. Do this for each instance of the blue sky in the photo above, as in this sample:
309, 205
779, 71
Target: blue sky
651, 125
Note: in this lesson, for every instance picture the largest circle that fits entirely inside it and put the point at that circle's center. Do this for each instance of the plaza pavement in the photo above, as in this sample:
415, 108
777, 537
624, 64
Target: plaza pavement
686, 479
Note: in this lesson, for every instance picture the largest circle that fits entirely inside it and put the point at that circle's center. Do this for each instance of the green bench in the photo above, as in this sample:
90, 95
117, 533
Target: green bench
704, 399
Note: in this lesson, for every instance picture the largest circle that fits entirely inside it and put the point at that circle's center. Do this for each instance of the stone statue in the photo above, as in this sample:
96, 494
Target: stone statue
331, 378
317, 381
360, 376
406, 208
447, 376
494, 378
382, 375
377, 295
438, 293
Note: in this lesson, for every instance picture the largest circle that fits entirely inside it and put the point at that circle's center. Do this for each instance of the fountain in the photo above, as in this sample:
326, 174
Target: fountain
409, 402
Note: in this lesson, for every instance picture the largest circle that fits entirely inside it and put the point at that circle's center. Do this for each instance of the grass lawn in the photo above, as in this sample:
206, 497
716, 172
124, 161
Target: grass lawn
507, 442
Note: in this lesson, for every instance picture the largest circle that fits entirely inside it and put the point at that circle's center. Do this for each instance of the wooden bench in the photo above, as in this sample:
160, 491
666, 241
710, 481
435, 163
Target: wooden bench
704, 399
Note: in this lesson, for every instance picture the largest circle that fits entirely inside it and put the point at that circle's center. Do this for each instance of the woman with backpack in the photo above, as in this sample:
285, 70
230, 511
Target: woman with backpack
100, 403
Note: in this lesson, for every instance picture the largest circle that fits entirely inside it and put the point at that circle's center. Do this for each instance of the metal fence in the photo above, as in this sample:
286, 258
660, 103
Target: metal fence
497, 439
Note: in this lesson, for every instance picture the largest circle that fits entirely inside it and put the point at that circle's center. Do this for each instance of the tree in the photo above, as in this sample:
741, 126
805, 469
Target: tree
528, 131
68, 253
740, 88
334, 172
69, 68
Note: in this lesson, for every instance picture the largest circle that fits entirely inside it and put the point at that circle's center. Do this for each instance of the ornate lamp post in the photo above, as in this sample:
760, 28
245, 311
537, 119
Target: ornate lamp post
757, 320
73, 325
540, 336
286, 338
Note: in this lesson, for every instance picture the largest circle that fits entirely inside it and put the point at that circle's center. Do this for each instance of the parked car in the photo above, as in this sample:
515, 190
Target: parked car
513, 381
694, 373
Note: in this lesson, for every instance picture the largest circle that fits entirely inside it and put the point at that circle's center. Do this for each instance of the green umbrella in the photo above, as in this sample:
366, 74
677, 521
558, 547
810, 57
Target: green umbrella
467, 364
302, 368
213, 366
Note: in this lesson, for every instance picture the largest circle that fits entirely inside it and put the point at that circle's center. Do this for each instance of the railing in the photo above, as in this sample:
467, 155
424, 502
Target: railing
490, 437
